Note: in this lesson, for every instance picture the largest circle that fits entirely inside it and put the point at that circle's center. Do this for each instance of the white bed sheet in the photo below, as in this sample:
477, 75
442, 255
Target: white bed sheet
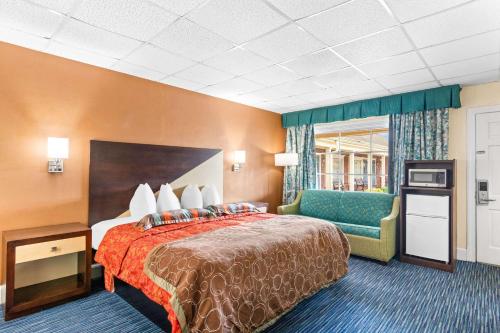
100, 228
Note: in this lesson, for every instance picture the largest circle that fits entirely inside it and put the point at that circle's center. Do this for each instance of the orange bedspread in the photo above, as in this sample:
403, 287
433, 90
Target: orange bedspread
124, 248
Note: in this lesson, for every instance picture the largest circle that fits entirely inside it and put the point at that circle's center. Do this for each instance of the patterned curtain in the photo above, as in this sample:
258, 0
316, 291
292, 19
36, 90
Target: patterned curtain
300, 140
416, 136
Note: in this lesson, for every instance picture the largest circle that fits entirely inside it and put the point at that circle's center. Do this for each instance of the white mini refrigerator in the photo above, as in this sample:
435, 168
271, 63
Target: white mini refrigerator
427, 226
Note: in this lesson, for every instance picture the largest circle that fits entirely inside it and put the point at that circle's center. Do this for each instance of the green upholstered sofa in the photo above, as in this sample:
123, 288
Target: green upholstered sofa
368, 219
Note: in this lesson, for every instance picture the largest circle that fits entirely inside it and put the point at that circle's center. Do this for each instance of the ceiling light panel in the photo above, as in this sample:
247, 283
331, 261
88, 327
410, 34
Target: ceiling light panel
179, 7
80, 55
81, 35
231, 87
29, 18
398, 64
346, 22
316, 63
375, 47
237, 20
478, 78
23, 39
157, 59
272, 75
203, 74
192, 41
297, 9
407, 10
62, 6
285, 44
238, 61
132, 18
404, 79
138, 71
467, 67
181, 83
472, 18
462, 49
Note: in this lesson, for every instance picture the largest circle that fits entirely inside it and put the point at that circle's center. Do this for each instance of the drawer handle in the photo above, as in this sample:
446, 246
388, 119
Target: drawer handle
54, 249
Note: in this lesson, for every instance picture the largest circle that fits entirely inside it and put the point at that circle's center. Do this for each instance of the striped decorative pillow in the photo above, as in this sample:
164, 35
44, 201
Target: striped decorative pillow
173, 216
233, 208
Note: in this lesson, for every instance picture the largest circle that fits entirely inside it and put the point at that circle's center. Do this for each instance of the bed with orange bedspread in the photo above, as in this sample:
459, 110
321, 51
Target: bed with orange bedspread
125, 250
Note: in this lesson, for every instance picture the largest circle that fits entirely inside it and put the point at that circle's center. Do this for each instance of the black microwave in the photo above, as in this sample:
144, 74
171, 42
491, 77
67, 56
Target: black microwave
427, 177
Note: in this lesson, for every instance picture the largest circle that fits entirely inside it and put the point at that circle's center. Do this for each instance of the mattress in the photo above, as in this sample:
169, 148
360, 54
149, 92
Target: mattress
99, 229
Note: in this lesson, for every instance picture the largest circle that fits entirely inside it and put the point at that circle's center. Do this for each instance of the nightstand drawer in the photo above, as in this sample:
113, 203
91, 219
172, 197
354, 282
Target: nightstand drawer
49, 249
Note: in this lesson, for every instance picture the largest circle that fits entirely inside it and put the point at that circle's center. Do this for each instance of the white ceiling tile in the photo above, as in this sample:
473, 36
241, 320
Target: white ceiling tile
320, 62
370, 95
407, 10
62, 6
467, 20
132, 18
479, 78
23, 39
375, 47
181, 83
191, 41
349, 21
344, 76
320, 95
29, 18
302, 107
272, 75
138, 71
203, 74
405, 79
334, 101
358, 88
179, 7
237, 20
286, 43
154, 58
82, 35
238, 61
231, 87
462, 49
415, 87
301, 86
268, 94
289, 101
77, 54
466, 67
297, 9
393, 65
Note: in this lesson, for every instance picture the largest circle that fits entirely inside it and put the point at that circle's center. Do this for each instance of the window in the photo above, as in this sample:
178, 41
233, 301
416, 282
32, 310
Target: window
353, 155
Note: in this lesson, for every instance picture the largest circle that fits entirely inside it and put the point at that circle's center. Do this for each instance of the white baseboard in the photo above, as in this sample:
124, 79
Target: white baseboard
2, 294
462, 254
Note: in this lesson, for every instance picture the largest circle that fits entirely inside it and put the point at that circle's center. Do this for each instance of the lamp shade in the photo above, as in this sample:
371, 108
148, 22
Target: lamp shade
240, 156
58, 148
286, 159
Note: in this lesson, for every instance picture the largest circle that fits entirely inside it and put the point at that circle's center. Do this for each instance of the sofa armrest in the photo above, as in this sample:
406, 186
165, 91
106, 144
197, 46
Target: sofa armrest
388, 232
291, 209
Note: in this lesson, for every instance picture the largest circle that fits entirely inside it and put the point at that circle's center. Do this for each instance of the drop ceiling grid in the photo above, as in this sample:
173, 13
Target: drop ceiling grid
301, 86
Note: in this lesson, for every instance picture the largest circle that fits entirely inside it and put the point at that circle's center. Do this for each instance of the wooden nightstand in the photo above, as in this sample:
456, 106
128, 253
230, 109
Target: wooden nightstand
45, 266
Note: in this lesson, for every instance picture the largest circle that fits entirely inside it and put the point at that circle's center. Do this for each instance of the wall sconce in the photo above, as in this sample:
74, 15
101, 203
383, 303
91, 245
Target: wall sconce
240, 157
286, 159
57, 151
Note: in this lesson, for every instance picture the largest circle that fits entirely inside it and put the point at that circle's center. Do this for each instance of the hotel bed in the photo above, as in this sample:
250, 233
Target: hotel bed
232, 273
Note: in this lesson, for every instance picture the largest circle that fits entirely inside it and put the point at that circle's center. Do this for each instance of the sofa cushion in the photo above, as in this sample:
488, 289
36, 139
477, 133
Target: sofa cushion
359, 230
364, 208
322, 204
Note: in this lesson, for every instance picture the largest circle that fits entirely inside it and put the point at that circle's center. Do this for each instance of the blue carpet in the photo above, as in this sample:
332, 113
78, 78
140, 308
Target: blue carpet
371, 298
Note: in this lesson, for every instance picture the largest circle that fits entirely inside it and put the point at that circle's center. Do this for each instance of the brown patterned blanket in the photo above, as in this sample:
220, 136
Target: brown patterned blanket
242, 278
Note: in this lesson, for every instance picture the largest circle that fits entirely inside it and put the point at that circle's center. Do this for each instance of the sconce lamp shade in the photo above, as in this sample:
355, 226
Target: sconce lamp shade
286, 159
240, 156
58, 148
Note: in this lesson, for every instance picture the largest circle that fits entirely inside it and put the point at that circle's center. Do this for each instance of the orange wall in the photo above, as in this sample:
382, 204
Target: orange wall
43, 95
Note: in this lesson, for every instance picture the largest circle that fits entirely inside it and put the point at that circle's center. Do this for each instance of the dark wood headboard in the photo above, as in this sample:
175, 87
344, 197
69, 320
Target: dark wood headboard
117, 168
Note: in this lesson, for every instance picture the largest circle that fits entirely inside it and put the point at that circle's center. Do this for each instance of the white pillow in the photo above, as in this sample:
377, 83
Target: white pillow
191, 197
167, 200
143, 202
210, 195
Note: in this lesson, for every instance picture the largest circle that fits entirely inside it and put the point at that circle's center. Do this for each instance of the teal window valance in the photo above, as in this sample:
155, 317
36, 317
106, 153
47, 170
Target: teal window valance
418, 101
